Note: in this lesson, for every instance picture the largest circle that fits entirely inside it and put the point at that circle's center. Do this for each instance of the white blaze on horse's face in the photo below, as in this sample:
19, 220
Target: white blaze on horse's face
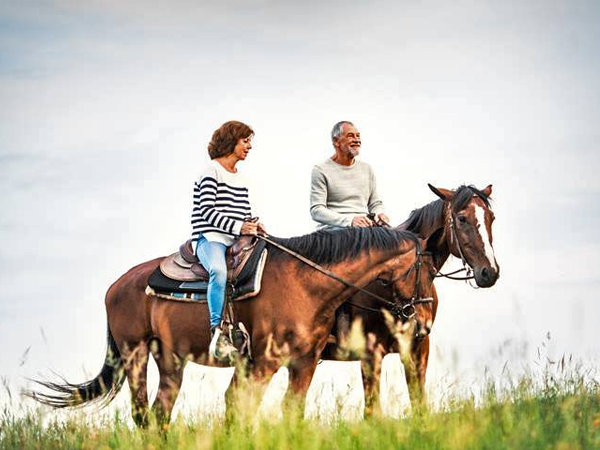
483, 232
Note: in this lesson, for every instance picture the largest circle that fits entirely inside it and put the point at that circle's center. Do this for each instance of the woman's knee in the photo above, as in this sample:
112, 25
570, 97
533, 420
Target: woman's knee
218, 274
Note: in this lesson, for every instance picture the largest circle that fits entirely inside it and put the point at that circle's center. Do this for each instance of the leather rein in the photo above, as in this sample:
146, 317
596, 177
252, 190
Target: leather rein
407, 310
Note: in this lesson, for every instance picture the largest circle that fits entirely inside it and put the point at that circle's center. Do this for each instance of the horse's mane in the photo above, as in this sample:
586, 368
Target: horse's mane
333, 246
463, 196
426, 217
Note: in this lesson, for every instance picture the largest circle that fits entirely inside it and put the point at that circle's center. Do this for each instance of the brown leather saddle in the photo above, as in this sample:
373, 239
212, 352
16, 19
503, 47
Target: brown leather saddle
184, 265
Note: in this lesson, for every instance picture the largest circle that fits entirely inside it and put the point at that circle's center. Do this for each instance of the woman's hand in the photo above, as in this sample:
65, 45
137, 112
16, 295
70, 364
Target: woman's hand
249, 228
261, 229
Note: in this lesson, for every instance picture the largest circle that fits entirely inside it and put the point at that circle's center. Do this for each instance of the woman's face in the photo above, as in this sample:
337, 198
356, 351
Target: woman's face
242, 148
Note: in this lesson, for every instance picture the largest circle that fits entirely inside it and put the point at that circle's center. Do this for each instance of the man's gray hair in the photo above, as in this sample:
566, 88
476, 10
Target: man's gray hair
337, 129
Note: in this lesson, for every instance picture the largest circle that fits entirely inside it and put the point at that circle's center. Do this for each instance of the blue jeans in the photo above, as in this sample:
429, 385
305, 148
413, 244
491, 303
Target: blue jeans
212, 257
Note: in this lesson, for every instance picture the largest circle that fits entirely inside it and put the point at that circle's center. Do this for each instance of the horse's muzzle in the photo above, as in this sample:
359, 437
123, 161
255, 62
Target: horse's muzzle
486, 276
422, 330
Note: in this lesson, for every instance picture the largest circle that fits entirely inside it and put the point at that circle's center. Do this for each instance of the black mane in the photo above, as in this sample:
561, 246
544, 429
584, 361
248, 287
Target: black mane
427, 216
333, 246
424, 218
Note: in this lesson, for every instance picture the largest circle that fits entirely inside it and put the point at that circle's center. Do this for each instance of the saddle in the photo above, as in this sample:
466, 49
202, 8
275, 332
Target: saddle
184, 265
182, 273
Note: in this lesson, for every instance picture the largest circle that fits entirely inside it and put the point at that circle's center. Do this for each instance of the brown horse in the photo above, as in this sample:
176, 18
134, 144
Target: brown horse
294, 311
459, 223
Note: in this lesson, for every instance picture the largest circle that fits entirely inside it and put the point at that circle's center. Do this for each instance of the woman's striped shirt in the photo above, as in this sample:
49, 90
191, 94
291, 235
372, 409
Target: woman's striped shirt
220, 204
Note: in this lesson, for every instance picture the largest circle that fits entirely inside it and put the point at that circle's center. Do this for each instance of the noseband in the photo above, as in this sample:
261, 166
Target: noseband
397, 309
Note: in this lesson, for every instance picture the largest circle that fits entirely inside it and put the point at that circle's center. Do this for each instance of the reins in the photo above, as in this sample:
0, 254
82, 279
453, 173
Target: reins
450, 277
395, 308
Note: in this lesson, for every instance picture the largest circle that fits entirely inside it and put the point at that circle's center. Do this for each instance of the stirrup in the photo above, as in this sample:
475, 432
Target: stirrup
221, 347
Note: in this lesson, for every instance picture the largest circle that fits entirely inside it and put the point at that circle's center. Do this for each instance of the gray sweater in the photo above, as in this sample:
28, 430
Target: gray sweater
338, 193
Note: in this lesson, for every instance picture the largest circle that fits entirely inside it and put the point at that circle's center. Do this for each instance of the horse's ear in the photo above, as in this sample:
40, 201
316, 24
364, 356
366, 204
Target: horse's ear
444, 194
488, 190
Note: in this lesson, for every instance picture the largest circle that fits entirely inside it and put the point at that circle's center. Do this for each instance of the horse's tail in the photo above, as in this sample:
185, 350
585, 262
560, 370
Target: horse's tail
101, 389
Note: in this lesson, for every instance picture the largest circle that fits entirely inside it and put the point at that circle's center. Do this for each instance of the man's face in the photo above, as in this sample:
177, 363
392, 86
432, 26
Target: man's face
349, 141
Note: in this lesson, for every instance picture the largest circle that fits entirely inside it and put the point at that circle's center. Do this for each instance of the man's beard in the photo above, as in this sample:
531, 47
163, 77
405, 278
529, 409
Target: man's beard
353, 152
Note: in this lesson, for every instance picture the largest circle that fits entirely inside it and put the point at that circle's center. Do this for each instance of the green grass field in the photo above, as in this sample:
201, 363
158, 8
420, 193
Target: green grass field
554, 411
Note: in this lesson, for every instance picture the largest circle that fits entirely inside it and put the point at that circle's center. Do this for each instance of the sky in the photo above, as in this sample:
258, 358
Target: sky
106, 109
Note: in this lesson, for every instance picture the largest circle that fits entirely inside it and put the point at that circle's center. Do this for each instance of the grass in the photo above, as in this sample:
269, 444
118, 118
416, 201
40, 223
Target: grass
559, 410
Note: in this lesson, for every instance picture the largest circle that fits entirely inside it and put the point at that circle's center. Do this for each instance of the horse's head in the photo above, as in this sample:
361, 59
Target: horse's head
468, 230
414, 293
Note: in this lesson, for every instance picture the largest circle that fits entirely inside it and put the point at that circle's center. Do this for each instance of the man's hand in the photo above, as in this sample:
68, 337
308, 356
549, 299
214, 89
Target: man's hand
361, 221
382, 219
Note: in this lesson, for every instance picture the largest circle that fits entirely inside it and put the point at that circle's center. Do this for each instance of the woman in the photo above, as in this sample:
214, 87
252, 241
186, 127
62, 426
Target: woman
220, 214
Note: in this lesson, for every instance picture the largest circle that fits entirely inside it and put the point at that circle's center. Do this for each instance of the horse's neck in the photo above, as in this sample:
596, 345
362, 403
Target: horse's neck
359, 271
440, 257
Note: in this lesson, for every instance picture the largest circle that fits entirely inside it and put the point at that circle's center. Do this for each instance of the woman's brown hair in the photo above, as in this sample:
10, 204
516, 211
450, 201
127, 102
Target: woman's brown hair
226, 136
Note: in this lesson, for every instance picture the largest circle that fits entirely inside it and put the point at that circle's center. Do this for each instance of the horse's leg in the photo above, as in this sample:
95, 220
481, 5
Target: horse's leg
369, 386
136, 368
371, 373
247, 388
301, 372
233, 392
371, 370
170, 369
415, 371
262, 372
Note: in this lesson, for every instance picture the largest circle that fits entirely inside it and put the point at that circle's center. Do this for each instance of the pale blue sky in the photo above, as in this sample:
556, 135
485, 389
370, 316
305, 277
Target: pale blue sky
106, 109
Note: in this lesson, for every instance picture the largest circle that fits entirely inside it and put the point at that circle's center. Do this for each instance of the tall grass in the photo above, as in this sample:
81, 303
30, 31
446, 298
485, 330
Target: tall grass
558, 410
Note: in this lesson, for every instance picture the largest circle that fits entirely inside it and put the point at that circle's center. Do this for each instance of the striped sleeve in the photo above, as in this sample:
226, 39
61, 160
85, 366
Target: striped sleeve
225, 217
220, 203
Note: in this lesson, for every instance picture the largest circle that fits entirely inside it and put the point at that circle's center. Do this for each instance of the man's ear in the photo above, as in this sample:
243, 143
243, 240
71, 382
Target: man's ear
444, 194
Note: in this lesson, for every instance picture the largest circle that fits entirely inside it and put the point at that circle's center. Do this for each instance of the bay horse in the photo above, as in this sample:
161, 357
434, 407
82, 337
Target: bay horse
459, 223
295, 311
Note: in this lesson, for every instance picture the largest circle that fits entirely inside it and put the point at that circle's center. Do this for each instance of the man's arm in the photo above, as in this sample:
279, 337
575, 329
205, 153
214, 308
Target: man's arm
318, 202
375, 203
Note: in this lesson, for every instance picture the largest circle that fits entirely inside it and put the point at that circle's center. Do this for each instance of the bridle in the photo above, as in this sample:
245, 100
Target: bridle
466, 266
407, 310
416, 299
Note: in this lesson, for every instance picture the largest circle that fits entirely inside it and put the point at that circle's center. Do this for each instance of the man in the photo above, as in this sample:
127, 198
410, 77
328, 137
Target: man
343, 191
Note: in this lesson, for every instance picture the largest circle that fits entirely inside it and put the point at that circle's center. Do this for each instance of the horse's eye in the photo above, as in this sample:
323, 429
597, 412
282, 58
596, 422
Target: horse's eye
462, 219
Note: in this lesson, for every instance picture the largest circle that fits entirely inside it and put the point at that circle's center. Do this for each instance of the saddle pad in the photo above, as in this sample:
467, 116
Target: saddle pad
245, 287
159, 282
198, 297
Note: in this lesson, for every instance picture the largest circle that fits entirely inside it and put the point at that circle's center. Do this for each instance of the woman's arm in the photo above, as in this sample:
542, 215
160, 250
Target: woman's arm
205, 199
